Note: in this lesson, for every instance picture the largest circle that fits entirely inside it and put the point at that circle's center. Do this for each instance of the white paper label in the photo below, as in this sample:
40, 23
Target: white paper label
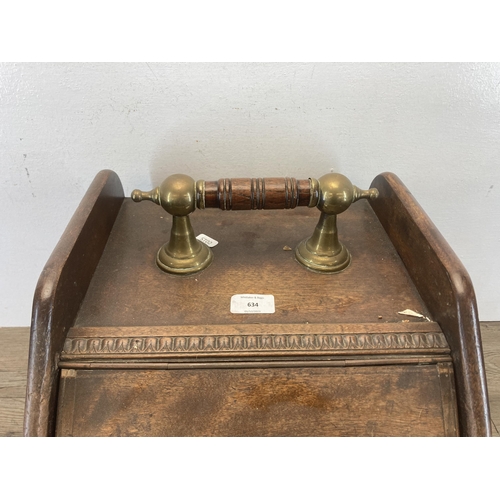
252, 304
210, 242
409, 312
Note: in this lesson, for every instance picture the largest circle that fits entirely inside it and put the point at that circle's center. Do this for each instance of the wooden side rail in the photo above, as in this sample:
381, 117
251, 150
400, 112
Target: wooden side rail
446, 288
59, 293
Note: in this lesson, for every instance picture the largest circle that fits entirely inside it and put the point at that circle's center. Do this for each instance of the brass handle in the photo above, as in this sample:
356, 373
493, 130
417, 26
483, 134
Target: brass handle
269, 193
180, 195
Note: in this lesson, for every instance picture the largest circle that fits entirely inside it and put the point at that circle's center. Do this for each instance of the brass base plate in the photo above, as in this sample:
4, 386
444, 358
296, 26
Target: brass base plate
174, 265
322, 263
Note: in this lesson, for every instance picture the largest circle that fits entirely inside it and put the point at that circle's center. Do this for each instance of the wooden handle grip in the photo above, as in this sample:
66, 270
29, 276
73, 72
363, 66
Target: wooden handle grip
270, 193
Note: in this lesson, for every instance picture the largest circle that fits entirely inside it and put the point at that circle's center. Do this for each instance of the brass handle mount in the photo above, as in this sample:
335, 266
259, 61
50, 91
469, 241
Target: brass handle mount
323, 252
183, 253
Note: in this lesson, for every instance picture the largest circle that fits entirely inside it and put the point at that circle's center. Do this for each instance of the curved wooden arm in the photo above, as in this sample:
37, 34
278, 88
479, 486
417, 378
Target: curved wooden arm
59, 293
446, 288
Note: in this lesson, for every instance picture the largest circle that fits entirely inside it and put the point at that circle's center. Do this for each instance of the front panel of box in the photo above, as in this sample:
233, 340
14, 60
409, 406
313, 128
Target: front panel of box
400, 400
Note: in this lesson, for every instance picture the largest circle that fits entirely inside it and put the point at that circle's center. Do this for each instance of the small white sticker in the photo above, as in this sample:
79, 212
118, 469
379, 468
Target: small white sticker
210, 242
252, 304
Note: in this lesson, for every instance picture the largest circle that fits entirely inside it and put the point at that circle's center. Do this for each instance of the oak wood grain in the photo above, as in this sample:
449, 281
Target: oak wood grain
356, 401
128, 288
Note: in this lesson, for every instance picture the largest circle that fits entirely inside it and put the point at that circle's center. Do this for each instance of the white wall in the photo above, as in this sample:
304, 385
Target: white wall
437, 126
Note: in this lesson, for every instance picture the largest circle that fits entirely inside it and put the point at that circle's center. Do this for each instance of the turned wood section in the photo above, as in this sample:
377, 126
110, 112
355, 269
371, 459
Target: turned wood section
357, 401
269, 193
447, 290
59, 293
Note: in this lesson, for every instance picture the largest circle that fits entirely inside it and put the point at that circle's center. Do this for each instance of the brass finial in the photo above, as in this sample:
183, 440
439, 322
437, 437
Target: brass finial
183, 253
323, 252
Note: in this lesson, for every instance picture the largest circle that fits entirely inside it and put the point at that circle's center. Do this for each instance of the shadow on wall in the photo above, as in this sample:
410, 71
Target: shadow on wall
242, 152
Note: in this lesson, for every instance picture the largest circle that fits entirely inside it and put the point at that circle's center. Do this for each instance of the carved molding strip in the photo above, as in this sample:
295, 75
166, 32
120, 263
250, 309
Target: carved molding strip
205, 344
